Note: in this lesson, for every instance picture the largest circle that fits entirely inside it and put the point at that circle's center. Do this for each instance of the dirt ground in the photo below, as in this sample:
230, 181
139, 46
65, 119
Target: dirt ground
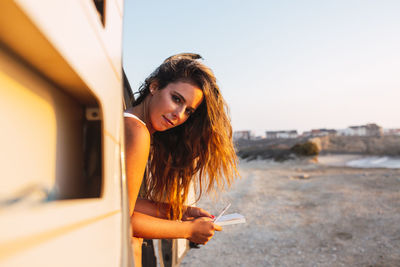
307, 214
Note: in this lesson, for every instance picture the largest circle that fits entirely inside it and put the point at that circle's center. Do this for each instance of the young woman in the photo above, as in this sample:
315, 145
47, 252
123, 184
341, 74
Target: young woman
177, 132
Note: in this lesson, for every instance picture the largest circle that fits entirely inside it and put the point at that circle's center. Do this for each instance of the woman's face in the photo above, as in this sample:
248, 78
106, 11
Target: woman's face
173, 105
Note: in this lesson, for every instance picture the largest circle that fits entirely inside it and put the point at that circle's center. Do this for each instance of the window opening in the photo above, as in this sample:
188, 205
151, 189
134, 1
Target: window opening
100, 6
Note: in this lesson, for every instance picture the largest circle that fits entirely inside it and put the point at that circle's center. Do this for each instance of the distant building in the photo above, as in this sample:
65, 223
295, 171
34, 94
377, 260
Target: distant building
392, 132
281, 134
357, 130
237, 135
322, 132
370, 129
374, 130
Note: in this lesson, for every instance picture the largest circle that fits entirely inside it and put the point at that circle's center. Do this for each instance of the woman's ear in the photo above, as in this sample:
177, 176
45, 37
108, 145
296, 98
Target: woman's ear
153, 87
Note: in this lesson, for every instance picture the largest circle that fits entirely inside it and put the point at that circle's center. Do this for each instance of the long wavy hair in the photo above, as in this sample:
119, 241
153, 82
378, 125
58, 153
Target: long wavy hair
200, 150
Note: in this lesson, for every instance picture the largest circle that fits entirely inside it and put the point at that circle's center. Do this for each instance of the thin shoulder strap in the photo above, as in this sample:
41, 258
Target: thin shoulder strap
130, 115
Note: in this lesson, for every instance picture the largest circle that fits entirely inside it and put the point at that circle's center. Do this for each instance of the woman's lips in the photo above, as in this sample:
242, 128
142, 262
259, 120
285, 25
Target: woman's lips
170, 122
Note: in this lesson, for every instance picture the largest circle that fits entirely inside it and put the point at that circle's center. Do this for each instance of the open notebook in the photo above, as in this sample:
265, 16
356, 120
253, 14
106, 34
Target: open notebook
228, 219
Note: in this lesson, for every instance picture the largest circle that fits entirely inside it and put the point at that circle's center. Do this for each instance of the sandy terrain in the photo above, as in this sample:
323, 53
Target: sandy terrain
337, 216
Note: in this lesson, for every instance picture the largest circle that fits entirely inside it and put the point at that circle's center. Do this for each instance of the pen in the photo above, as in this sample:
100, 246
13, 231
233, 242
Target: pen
222, 212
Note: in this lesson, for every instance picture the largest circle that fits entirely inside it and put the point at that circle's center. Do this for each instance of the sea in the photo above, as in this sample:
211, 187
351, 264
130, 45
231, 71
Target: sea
375, 162
360, 161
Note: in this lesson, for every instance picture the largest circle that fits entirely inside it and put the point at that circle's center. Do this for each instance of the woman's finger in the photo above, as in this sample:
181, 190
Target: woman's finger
204, 213
217, 227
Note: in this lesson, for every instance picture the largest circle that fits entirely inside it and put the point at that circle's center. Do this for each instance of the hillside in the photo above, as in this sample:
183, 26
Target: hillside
368, 145
279, 149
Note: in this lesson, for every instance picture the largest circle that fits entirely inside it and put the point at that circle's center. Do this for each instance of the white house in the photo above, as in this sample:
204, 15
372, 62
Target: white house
281, 134
237, 135
370, 129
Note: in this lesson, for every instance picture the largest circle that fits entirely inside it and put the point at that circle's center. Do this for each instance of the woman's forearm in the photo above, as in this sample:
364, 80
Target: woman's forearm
160, 210
146, 226
152, 208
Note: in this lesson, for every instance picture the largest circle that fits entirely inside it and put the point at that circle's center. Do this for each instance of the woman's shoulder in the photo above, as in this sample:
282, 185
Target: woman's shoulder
135, 129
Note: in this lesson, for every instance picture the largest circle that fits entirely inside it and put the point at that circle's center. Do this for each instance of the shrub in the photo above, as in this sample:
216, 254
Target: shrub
305, 149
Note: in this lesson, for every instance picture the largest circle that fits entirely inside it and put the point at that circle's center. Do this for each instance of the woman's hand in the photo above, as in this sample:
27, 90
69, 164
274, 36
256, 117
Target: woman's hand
195, 212
201, 230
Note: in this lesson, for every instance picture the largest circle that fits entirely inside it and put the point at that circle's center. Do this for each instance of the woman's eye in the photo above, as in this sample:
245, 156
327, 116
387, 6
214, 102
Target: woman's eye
176, 99
188, 112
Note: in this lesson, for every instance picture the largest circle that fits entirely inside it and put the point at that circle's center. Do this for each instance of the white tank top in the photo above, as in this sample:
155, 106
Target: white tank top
126, 114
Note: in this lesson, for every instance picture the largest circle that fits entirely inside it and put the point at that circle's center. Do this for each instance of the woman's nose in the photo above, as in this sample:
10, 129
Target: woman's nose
179, 113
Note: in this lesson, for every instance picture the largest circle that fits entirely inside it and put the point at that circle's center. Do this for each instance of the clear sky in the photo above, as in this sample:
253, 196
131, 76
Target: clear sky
281, 65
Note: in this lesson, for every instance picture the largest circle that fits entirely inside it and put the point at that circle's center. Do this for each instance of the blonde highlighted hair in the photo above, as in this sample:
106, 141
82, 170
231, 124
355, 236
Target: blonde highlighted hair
201, 149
